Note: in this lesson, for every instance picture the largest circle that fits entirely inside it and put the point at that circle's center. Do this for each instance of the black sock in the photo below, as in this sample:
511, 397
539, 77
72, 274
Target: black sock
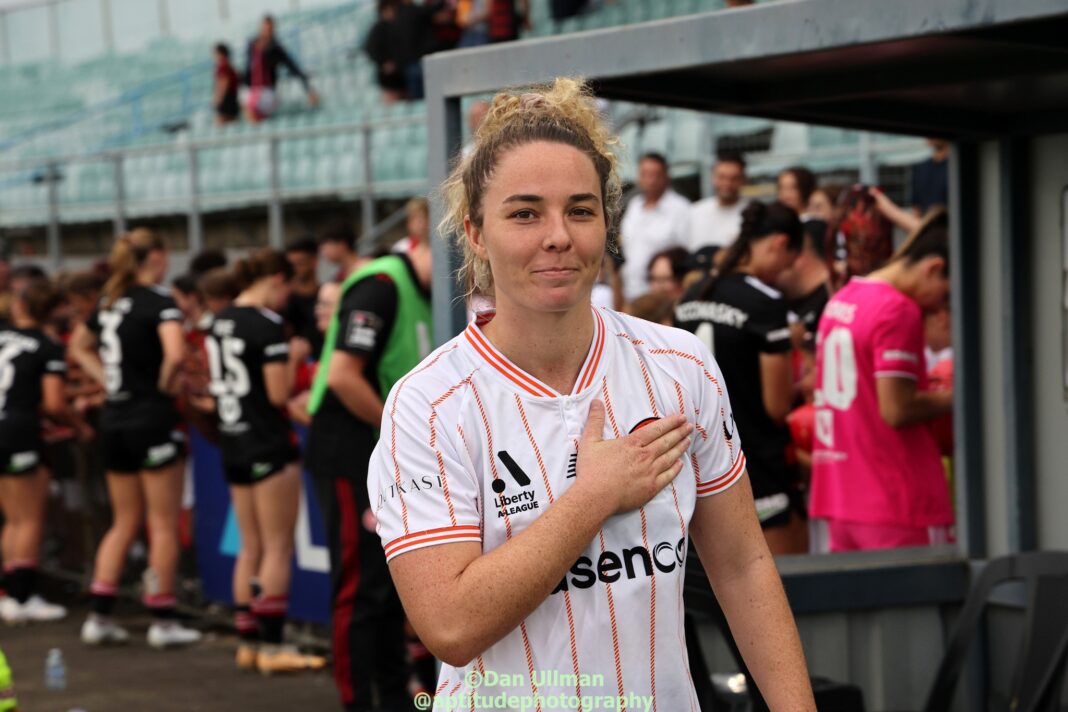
20, 583
245, 623
103, 597
161, 606
270, 612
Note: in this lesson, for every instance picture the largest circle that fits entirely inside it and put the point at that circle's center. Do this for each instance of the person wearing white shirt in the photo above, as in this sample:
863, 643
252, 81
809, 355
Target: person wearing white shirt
717, 220
655, 219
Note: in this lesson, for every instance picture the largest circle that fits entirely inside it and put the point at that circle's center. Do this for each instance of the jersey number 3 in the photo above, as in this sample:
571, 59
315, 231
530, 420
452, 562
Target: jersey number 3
229, 377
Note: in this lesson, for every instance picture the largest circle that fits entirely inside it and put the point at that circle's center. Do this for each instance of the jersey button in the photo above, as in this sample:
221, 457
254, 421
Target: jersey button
568, 404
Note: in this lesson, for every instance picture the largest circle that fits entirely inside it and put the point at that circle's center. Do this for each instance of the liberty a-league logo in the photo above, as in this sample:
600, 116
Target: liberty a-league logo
508, 502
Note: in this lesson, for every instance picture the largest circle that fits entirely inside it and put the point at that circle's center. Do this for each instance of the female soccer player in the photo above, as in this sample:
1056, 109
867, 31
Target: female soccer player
31, 381
538, 476
744, 322
250, 381
877, 474
133, 344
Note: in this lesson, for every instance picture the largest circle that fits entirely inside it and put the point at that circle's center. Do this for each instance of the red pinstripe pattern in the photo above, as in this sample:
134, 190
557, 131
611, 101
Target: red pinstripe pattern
530, 665
648, 387
615, 631
608, 406
549, 492
393, 431
442, 686
690, 357
495, 359
492, 460
679, 588
434, 445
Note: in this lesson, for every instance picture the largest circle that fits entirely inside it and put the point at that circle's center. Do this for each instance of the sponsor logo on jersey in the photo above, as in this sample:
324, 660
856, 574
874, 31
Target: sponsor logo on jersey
362, 330
628, 564
642, 423
572, 465
507, 503
408, 486
160, 453
841, 311
729, 434
714, 312
21, 461
899, 355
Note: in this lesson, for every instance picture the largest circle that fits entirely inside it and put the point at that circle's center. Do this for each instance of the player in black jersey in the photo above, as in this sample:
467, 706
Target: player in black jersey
251, 378
31, 381
138, 331
744, 322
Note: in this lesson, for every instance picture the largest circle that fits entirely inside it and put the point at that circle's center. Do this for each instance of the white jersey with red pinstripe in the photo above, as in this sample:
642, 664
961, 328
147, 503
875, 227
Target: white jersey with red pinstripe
473, 450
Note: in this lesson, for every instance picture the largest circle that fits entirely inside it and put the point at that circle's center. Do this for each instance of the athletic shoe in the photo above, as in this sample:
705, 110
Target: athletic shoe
9, 610
36, 610
276, 659
99, 630
245, 657
170, 634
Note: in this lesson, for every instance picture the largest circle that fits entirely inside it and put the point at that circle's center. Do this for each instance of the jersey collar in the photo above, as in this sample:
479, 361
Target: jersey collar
520, 379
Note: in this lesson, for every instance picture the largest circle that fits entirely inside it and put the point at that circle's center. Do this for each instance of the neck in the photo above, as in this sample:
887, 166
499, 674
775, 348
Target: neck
727, 203
348, 262
420, 258
306, 285
549, 346
24, 322
812, 272
651, 200
147, 279
896, 276
254, 296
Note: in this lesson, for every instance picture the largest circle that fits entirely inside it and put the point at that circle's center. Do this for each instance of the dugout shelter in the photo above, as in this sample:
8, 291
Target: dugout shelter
992, 76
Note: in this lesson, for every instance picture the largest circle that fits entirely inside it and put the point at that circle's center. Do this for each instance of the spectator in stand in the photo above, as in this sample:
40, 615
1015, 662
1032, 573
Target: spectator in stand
823, 205
415, 39
338, 247
224, 94
472, 16
667, 269
796, 186
303, 256
743, 321
877, 475
506, 18
655, 219
716, 220
563, 9
384, 49
929, 179
265, 54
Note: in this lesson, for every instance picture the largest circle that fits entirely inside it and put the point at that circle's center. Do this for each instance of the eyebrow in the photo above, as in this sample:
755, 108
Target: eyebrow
528, 198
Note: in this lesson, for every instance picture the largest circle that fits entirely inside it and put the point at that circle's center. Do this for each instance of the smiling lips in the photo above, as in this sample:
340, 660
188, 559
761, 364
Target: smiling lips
556, 271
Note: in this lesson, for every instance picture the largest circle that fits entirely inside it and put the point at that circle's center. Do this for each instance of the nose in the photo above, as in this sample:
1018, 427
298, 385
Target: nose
557, 236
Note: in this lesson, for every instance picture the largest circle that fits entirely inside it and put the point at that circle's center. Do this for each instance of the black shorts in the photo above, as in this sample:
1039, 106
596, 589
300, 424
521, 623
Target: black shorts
256, 470
131, 450
16, 461
775, 490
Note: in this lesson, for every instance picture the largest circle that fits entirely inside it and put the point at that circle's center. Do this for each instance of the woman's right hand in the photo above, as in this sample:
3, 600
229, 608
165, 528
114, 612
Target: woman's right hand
632, 469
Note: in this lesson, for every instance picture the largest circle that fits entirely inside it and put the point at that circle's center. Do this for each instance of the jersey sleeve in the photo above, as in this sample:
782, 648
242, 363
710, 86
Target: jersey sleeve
275, 345
897, 343
55, 361
770, 324
366, 315
424, 492
716, 455
168, 310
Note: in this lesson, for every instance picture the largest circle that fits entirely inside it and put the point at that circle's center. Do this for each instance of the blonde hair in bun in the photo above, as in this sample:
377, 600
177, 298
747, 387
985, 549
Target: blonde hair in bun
561, 112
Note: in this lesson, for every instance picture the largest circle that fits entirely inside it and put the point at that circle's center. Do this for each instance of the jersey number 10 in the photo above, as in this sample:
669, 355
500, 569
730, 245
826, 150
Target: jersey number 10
229, 377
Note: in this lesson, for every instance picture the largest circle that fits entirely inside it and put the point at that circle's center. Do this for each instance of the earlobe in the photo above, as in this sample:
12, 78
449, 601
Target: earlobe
474, 237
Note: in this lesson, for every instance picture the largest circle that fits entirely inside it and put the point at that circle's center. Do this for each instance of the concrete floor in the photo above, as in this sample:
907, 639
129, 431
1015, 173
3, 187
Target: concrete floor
136, 678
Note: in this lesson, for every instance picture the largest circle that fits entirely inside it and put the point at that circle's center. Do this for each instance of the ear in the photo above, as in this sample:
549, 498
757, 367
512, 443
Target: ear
474, 238
935, 266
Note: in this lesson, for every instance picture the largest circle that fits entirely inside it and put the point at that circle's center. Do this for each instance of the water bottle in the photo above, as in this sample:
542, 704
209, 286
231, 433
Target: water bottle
55, 670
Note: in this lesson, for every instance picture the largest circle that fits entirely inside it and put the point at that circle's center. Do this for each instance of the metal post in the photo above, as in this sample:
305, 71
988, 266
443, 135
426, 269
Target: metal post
105, 22
868, 173
367, 200
120, 195
52, 179
53, 29
274, 208
196, 228
707, 159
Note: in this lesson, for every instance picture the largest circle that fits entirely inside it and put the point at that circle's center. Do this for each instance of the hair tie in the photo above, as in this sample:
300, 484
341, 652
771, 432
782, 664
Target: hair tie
531, 100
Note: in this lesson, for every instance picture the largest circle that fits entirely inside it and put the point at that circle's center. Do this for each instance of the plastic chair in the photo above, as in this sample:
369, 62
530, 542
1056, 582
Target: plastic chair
1040, 665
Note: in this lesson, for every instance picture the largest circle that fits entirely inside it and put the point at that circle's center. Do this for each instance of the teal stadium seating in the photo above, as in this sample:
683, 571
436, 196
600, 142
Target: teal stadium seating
143, 100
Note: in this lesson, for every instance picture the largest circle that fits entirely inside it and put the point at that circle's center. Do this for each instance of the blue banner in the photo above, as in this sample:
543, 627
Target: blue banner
218, 540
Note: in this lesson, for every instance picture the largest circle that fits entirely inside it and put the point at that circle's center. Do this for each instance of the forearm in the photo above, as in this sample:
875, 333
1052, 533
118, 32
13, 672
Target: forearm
168, 376
904, 219
90, 363
360, 398
922, 407
514, 579
763, 627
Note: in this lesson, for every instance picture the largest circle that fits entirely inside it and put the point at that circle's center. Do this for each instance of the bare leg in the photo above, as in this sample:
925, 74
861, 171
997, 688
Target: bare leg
251, 553
127, 506
277, 500
163, 498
